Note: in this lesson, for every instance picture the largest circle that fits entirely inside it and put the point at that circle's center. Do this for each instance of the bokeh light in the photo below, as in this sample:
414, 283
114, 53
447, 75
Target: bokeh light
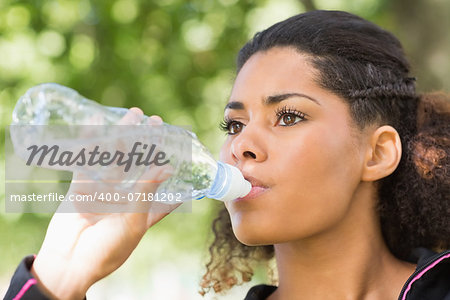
176, 59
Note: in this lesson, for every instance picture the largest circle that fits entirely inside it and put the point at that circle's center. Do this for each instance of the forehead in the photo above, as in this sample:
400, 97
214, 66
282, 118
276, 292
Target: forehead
284, 71
280, 68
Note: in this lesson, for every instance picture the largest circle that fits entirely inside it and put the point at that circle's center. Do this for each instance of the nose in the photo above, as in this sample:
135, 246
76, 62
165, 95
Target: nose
248, 145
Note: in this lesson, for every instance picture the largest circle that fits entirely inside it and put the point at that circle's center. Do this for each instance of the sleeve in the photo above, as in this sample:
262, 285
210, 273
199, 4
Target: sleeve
23, 286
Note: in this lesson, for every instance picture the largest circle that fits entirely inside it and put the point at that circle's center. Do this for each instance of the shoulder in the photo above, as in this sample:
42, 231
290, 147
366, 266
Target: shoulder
431, 280
260, 292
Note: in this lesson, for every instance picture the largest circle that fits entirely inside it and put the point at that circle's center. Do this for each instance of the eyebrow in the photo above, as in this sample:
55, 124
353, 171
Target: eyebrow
270, 100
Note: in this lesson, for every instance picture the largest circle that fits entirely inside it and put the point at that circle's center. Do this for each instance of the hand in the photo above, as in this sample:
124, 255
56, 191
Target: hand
82, 247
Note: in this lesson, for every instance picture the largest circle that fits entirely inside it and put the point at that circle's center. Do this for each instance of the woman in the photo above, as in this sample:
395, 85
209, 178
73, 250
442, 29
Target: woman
348, 167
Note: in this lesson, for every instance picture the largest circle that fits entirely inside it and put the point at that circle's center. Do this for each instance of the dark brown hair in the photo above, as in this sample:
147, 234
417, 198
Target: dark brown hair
366, 66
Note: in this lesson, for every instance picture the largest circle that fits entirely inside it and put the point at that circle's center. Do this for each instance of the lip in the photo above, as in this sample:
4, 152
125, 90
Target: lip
254, 192
257, 189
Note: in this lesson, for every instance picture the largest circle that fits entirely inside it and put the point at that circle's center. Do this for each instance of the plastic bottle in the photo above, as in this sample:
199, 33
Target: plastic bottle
196, 177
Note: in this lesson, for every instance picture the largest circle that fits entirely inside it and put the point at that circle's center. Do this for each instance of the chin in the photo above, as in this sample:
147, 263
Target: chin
252, 231
251, 234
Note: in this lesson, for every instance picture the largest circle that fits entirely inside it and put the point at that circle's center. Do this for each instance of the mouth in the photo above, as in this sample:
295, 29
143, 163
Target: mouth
258, 188
255, 182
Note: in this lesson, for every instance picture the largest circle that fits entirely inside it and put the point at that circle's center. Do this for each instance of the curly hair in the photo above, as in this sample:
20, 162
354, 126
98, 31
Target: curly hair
366, 66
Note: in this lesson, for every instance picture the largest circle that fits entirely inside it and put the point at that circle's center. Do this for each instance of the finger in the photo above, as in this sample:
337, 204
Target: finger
136, 110
132, 117
155, 120
147, 186
123, 138
147, 211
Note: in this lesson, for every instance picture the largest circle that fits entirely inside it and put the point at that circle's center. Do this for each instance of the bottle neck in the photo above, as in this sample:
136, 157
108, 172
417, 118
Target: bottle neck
221, 183
229, 183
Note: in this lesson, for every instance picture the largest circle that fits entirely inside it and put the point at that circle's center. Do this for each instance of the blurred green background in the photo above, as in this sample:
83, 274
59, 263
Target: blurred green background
175, 59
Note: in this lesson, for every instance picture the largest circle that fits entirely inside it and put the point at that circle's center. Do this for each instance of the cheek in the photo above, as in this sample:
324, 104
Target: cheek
322, 175
321, 158
316, 175
225, 152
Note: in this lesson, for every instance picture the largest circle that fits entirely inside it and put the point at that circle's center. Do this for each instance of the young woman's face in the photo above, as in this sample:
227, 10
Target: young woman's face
294, 141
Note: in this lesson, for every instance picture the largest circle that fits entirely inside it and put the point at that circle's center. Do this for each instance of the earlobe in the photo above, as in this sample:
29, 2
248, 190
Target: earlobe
383, 153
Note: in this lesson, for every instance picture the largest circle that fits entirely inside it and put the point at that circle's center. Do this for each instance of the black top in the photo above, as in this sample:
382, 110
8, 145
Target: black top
430, 281
261, 291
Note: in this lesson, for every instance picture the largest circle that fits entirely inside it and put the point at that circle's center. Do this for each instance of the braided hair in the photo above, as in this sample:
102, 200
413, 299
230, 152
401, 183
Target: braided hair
366, 66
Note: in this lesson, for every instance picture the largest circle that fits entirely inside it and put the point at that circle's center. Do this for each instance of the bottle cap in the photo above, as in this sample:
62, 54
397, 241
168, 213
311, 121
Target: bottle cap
229, 183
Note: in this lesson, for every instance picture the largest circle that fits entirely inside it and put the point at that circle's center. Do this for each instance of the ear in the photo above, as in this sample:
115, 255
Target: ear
383, 153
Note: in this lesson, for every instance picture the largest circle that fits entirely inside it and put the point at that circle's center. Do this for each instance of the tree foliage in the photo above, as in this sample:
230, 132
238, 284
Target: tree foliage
172, 58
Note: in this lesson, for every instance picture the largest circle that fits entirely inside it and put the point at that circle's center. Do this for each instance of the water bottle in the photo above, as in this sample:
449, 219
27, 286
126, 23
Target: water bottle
194, 178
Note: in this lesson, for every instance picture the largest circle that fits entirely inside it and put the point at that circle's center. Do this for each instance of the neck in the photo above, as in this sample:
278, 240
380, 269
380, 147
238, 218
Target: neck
349, 261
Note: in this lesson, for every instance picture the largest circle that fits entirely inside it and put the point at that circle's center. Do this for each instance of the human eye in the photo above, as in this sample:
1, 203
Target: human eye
289, 116
230, 126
